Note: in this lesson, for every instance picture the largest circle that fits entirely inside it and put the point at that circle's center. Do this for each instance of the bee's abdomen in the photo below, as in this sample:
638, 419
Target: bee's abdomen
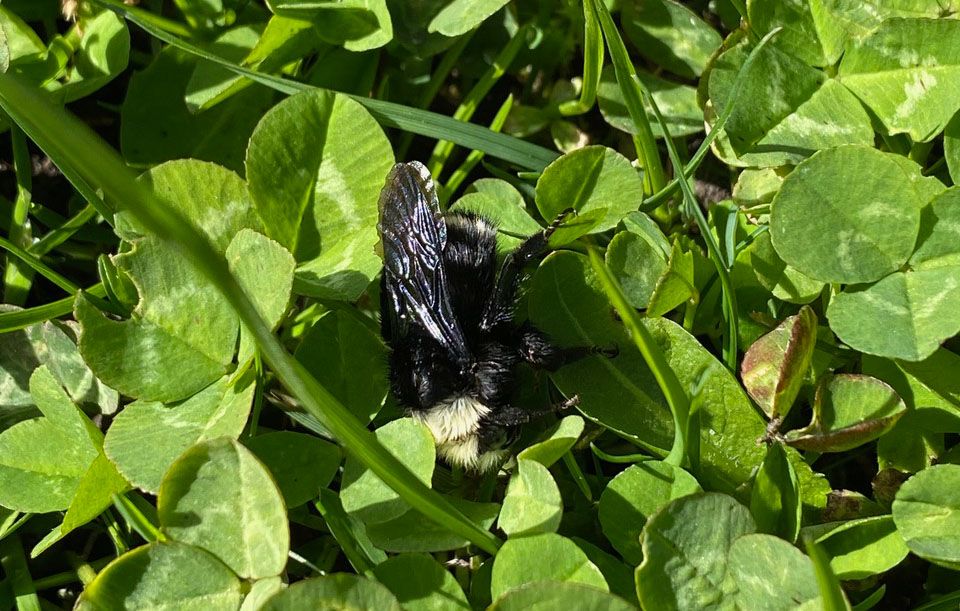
456, 424
470, 260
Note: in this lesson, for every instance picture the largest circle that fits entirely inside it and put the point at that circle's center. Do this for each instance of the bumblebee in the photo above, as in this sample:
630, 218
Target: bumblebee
448, 317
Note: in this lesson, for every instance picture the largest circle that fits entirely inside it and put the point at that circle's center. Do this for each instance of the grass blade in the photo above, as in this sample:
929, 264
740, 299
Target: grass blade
871, 601
653, 175
21, 319
11, 522
693, 208
82, 187
14, 563
439, 76
389, 114
349, 533
460, 174
38, 266
713, 249
72, 143
18, 277
661, 196
592, 65
830, 591
652, 354
476, 94
61, 234
136, 520
947, 601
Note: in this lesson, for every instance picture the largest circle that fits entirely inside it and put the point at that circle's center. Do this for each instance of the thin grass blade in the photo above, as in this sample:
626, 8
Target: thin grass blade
713, 249
667, 380
21, 319
653, 175
831, 594
592, 65
443, 148
661, 196
460, 174
38, 266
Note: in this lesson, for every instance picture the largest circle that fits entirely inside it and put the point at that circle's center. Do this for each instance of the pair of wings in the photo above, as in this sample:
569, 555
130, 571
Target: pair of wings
413, 235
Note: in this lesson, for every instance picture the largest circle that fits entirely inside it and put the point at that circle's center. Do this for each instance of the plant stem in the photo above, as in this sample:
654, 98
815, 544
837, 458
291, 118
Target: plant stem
67, 577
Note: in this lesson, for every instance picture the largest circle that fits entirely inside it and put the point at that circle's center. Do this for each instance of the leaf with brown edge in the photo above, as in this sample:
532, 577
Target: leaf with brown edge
775, 365
849, 410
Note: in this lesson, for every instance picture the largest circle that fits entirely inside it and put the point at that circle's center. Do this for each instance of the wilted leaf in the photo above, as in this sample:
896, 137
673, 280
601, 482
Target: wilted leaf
774, 367
849, 410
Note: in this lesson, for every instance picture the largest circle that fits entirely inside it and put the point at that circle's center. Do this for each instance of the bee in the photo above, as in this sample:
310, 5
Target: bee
448, 317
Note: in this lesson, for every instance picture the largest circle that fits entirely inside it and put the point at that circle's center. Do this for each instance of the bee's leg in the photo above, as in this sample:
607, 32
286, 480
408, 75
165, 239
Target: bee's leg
503, 299
509, 417
537, 349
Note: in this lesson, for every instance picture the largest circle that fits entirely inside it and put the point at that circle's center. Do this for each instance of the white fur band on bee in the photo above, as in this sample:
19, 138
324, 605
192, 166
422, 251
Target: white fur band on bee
454, 424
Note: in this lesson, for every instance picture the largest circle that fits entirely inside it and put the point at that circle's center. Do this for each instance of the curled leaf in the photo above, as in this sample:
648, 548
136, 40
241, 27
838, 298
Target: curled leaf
774, 366
849, 410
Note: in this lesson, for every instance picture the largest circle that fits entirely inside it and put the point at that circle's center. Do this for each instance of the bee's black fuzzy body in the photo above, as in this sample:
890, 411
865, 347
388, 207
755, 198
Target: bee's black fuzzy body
447, 314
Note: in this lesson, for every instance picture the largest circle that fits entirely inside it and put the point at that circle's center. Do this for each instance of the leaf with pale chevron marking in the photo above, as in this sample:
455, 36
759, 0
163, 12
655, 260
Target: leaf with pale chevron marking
847, 214
908, 73
907, 314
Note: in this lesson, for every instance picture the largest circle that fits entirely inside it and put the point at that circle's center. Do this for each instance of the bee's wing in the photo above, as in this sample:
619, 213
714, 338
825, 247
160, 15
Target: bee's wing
412, 238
